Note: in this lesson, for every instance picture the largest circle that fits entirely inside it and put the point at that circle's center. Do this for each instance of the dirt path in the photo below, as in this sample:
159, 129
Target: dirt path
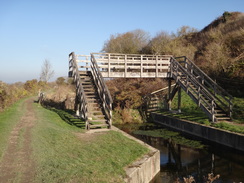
17, 164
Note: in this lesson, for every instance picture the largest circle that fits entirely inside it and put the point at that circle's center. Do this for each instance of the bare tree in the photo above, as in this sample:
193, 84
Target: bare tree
46, 72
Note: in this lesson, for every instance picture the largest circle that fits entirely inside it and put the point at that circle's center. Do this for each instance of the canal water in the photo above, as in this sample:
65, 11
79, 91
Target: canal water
182, 156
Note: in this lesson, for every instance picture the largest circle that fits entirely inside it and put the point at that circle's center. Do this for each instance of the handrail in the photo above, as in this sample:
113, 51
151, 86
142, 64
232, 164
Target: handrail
79, 88
179, 71
162, 89
102, 89
134, 55
132, 65
219, 94
196, 69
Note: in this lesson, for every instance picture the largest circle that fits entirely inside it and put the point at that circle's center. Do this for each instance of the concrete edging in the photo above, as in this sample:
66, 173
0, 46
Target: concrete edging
144, 169
223, 137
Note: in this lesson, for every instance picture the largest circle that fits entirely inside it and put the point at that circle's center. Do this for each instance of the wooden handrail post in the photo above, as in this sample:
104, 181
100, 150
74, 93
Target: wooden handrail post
141, 65
169, 94
156, 66
212, 110
109, 65
179, 99
199, 95
125, 65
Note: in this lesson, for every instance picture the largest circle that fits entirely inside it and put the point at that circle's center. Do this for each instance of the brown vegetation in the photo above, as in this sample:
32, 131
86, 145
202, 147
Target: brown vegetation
10, 93
63, 95
218, 48
128, 94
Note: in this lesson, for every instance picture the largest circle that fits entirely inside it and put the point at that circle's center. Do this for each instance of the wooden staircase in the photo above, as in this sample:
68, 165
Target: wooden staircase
210, 97
93, 101
96, 117
156, 100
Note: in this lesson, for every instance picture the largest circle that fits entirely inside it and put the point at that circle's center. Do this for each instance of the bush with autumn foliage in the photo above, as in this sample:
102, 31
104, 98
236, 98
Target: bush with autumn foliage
10, 93
128, 96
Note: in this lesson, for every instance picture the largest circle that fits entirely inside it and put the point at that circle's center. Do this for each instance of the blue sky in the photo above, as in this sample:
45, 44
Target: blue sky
34, 30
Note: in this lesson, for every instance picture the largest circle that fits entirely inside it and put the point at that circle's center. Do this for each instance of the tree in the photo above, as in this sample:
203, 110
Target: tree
60, 81
128, 43
46, 72
158, 43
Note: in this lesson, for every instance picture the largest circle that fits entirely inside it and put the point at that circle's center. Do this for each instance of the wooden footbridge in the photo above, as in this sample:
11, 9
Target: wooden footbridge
94, 103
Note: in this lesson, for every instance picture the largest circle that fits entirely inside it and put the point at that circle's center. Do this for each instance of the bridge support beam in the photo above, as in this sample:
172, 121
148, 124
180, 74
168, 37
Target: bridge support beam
179, 99
169, 95
77, 111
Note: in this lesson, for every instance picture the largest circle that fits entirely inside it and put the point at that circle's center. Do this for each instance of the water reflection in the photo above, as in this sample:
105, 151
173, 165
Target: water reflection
178, 161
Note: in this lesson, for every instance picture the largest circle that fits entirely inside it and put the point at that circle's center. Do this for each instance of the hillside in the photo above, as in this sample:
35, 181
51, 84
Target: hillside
220, 50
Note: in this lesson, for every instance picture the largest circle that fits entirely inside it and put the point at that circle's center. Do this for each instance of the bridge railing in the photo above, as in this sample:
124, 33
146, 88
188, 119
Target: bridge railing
193, 88
222, 98
81, 102
156, 100
102, 90
112, 65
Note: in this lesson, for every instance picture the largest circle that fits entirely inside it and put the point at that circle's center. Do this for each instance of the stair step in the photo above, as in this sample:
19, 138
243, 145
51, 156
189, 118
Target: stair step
90, 92
92, 98
220, 114
96, 112
89, 89
95, 119
99, 116
101, 125
223, 118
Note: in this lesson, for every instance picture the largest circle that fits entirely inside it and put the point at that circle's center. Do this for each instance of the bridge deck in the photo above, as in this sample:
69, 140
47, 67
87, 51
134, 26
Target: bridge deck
127, 66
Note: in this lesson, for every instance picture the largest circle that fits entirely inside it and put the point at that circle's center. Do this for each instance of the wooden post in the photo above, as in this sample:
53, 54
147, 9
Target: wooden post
87, 60
108, 65
125, 66
141, 65
169, 94
110, 112
156, 66
212, 111
77, 106
179, 99
199, 96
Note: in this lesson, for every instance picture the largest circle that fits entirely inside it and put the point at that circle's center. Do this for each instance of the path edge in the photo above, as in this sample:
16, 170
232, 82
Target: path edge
144, 169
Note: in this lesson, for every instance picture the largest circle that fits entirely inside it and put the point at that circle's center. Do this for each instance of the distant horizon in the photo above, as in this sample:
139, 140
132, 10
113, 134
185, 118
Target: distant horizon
32, 31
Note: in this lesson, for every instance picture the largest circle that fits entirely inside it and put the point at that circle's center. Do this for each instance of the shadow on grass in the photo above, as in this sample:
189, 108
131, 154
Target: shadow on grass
68, 116
195, 116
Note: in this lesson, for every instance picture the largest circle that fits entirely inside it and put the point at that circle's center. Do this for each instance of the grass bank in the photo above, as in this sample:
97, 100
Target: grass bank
190, 111
8, 119
65, 154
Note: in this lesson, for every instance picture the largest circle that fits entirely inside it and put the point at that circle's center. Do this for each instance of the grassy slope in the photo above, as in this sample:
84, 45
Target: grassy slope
63, 157
191, 112
8, 119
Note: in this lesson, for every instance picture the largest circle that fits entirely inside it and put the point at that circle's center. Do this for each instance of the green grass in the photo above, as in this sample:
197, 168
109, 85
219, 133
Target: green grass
174, 136
191, 112
229, 127
69, 117
238, 112
8, 119
63, 157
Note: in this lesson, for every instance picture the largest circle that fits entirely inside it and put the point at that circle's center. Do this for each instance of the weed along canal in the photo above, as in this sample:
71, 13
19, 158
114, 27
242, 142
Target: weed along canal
183, 156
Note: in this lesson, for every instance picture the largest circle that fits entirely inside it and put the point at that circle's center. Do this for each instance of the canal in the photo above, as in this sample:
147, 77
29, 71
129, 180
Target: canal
182, 156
